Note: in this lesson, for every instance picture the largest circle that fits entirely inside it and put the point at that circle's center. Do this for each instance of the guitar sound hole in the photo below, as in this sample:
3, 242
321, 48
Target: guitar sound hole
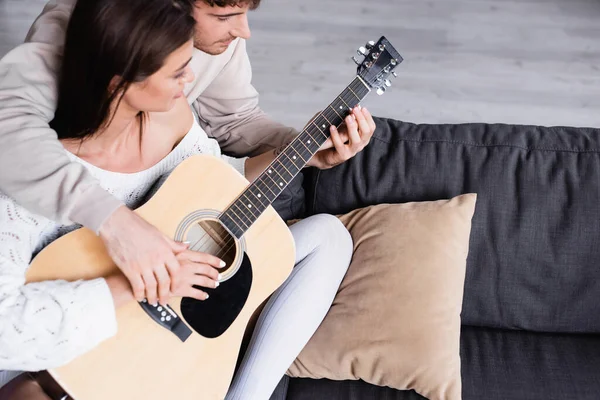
209, 236
213, 316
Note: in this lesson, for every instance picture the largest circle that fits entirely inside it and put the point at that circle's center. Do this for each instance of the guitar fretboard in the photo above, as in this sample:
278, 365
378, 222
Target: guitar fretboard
250, 204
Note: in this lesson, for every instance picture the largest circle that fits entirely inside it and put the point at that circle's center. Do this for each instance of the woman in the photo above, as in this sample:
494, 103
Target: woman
122, 115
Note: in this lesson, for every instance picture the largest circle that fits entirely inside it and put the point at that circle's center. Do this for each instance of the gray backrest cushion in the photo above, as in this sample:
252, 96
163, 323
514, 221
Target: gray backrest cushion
534, 259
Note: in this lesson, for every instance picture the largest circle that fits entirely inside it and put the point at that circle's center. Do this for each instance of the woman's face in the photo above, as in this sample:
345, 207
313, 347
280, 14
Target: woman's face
160, 91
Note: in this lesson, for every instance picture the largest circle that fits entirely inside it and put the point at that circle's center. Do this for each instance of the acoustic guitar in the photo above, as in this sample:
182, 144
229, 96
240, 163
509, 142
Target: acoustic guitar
188, 349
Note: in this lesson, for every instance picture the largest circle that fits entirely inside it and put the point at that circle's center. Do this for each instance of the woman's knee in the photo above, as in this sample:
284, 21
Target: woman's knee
335, 237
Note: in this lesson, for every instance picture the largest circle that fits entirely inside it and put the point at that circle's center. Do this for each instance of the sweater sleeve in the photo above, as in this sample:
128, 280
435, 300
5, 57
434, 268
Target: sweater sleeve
35, 169
229, 112
46, 324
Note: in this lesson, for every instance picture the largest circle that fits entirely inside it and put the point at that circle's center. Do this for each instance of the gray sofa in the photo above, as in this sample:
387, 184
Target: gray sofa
531, 309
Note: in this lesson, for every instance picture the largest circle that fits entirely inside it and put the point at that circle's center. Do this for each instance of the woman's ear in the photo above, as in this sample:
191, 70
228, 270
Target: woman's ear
114, 83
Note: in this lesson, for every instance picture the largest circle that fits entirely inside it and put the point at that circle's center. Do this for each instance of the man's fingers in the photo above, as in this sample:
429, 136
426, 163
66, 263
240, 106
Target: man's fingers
336, 139
150, 284
164, 284
137, 285
177, 247
352, 131
364, 127
370, 119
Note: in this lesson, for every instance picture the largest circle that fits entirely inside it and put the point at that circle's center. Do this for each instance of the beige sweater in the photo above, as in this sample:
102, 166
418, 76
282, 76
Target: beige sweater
34, 168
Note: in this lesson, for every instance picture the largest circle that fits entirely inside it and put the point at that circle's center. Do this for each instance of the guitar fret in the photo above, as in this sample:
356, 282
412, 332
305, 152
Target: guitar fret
258, 197
277, 172
353, 93
335, 118
330, 106
287, 164
293, 169
269, 187
232, 228
340, 97
248, 206
241, 211
319, 129
363, 82
299, 155
285, 174
305, 146
265, 192
261, 192
276, 194
292, 161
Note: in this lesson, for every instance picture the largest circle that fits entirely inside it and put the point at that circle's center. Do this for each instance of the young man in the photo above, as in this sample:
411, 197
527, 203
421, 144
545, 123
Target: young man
38, 174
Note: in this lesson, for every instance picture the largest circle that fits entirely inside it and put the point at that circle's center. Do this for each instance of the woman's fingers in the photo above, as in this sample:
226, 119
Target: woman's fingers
203, 281
199, 257
195, 294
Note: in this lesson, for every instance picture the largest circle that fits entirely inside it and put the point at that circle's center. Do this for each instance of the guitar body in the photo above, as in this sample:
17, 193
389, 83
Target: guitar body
145, 360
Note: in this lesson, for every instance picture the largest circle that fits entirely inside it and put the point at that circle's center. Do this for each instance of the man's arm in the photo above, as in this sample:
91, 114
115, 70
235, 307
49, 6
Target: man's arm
37, 173
35, 168
229, 112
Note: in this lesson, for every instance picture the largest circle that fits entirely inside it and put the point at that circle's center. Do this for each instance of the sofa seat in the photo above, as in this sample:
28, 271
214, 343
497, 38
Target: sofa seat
496, 365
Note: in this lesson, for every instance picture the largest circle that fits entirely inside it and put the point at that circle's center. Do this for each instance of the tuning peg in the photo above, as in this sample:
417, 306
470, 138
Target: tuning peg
393, 62
388, 83
355, 60
381, 90
370, 45
361, 51
395, 74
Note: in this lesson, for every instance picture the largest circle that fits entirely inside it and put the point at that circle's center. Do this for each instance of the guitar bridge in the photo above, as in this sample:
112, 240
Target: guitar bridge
167, 318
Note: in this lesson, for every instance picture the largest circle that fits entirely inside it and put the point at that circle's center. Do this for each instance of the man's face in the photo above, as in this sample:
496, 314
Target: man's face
217, 27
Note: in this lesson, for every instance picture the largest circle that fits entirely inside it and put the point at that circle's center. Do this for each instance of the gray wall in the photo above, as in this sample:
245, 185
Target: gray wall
512, 61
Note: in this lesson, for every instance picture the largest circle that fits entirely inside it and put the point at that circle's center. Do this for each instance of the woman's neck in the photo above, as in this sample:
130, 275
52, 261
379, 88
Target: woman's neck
123, 132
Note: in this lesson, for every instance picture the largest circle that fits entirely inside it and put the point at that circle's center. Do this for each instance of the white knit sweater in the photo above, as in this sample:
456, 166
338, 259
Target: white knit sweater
47, 324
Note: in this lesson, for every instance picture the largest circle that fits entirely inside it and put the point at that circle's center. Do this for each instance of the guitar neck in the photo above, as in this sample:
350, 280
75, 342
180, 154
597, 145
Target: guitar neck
246, 209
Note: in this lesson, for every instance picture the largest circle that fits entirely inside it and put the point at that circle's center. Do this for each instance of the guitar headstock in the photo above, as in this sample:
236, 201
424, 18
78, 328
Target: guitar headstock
380, 60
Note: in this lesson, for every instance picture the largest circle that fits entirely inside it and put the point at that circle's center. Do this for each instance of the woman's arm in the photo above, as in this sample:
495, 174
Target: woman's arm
46, 324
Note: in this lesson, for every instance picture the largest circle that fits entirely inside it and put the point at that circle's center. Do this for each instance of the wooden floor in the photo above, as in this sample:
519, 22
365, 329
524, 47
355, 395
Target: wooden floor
512, 61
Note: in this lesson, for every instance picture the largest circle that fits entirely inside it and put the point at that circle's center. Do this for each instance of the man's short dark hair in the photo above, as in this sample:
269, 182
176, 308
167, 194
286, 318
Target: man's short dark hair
225, 3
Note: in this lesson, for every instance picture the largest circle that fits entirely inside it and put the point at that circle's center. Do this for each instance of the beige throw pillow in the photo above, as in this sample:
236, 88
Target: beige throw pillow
396, 318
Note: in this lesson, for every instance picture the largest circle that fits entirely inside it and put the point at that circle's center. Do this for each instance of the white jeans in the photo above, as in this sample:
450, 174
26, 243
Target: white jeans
296, 309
